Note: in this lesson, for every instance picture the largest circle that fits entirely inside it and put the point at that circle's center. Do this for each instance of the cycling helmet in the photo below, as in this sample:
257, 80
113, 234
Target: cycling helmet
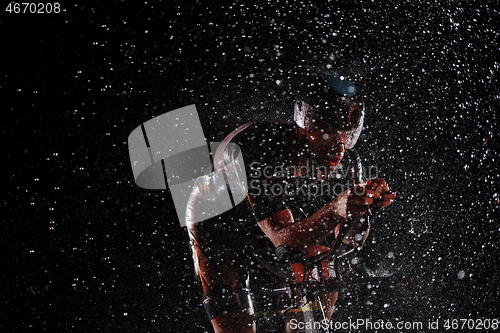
333, 102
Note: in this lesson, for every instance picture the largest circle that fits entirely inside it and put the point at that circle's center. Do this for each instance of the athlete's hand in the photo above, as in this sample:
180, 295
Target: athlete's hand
355, 201
380, 186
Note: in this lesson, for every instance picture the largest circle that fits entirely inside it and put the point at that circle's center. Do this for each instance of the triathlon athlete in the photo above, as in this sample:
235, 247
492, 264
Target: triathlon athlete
302, 185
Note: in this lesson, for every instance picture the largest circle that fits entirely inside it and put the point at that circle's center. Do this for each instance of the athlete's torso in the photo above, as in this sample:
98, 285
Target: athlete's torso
271, 185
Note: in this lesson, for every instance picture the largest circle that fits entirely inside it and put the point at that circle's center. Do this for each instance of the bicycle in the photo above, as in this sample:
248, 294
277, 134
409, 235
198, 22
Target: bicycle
299, 307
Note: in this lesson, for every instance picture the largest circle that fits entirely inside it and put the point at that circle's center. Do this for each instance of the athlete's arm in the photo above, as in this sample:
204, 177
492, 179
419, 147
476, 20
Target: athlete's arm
282, 229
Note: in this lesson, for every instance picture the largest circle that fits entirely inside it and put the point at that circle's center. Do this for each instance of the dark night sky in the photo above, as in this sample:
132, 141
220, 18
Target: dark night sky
74, 85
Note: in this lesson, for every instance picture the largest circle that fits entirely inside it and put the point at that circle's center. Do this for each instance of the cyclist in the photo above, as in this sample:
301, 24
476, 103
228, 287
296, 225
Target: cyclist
299, 192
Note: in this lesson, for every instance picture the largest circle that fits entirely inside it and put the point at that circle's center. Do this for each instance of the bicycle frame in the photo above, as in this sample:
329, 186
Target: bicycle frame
311, 277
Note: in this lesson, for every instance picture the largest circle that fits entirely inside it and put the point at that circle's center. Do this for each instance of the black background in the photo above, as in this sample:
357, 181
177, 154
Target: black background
74, 85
